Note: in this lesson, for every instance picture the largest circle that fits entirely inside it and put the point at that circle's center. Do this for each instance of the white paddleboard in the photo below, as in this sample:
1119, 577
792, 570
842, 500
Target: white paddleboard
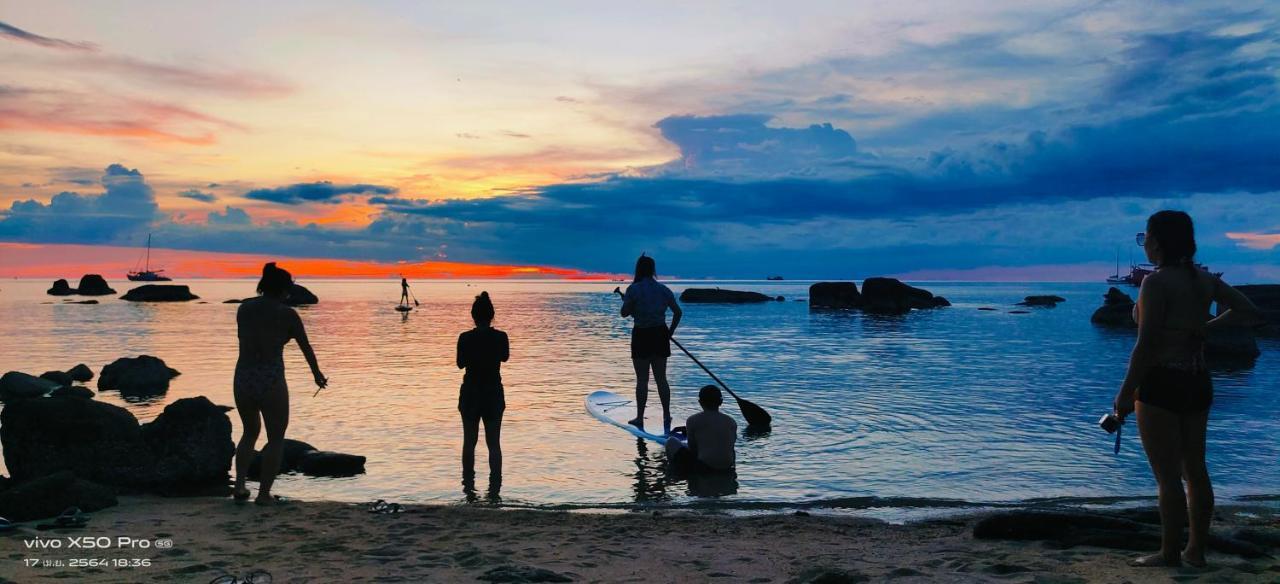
615, 410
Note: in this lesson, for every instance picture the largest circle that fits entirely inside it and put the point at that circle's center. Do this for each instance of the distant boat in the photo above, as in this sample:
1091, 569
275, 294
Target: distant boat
1139, 272
1117, 278
774, 278
146, 274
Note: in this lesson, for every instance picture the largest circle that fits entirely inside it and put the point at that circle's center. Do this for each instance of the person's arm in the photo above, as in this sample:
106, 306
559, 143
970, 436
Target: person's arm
505, 351
1150, 310
462, 361
628, 303
1240, 310
676, 313
300, 335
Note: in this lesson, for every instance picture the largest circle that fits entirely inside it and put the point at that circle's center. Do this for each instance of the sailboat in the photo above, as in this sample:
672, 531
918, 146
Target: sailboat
146, 275
1117, 278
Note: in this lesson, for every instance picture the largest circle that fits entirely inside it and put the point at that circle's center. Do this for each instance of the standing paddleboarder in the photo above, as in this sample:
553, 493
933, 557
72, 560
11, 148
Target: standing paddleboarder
404, 291
647, 301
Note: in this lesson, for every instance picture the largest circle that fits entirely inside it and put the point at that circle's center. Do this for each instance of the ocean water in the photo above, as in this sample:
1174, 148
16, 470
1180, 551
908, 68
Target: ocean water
955, 403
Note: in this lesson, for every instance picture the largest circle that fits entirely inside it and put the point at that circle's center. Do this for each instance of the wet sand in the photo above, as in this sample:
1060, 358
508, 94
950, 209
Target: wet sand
340, 542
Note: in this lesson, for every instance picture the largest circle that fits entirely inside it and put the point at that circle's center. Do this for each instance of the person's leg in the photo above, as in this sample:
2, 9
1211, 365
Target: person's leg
493, 442
250, 426
1162, 440
470, 434
664, 390
642, 389
275, 417
1199, 488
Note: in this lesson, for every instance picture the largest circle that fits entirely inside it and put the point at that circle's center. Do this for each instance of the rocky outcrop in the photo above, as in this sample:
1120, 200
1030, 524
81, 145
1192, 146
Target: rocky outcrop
141, 375
1116, 310
49, 495
61, 378
81, 373
94, 285
1047, 300
321, 463
233, 301
61, 288
1267, 298
1231, 346
839, 295
299, 296
717, 295
16, 385
160, 293
97, 441
891, 296
191, 443
73, 391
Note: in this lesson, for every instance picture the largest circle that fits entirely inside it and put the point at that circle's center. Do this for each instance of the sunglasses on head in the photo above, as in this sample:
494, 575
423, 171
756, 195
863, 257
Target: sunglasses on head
1142, 239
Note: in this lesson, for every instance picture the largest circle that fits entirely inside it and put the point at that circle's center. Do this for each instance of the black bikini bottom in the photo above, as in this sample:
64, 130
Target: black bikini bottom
1177, 390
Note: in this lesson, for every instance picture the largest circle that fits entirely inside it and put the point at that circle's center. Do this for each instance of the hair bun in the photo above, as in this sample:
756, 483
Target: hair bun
484, 295
268, 268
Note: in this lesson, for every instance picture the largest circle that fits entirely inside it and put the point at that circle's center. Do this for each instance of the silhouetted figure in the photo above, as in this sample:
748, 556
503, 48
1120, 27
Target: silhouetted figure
1168, 379
647, 301
404, 291
481, 352
265, 324
711, 435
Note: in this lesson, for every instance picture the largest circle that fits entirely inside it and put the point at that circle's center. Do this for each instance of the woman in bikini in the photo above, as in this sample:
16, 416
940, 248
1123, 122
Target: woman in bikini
1168, 384
647, 301
481, 352
265, 324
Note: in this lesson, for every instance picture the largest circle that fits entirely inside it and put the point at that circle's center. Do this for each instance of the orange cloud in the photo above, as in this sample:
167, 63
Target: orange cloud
1256, 240
21, 260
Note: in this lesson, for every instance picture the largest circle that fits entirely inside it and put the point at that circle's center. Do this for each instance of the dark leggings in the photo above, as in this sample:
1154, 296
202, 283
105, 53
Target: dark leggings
492, 439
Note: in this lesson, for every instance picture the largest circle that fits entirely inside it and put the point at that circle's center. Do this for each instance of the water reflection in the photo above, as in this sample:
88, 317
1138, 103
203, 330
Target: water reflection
651, 478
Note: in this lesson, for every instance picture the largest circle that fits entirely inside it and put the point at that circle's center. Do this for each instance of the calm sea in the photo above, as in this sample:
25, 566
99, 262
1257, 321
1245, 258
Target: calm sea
956, 403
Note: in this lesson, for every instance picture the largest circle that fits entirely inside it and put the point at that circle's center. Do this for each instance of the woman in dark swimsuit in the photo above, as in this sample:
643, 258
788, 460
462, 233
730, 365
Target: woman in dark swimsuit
1168, 384
481, 351
265, 324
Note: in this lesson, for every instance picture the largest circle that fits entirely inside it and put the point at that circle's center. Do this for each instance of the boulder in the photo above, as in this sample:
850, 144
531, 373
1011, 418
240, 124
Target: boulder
16, 385
1267, 298
891, 296
299, 296
1116, 310
141, 375
321, 463
293, 452
232, 301
94, 285
98, 441
834, 295
191, 442
61, 288
1048, 300
50, 495
81, 373
160, 293
1236, 345
940, 302
716, 295
73, 391
58, 377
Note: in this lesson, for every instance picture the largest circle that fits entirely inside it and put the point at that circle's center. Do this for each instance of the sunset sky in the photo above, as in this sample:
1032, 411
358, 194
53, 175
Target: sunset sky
983, 140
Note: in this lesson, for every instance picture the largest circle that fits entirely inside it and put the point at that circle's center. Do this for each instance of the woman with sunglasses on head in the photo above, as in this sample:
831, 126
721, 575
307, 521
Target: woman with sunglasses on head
265, 325
1168, 384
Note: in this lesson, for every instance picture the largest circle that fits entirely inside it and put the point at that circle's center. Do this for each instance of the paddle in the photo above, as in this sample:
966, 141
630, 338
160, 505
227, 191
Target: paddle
415, 298
755, 415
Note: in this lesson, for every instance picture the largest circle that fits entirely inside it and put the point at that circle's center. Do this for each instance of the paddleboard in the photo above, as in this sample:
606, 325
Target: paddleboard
615, 410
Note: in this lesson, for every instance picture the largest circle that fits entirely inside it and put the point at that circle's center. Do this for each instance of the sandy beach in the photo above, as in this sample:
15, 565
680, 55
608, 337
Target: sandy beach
328, 542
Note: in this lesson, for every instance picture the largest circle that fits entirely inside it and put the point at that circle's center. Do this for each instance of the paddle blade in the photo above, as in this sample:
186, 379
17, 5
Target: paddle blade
755, 415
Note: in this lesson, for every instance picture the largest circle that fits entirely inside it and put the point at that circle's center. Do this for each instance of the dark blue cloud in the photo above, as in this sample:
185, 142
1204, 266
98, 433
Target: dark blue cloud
15, 33
125, 207
198, 195
743, 145
232, 216
316, 192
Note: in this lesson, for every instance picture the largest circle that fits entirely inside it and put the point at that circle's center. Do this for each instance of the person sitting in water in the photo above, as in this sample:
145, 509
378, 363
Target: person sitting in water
647, 301
711, 436
481, 351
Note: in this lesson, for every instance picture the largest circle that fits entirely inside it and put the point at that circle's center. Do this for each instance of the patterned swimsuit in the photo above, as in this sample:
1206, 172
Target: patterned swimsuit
256, 379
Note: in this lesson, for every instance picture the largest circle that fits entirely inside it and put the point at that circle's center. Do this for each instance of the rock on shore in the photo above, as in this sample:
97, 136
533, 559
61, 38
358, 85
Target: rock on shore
60, 288
49, 495
717, 295
191, 441
16, 385
143, 375
94, 285
298, 295
160, 293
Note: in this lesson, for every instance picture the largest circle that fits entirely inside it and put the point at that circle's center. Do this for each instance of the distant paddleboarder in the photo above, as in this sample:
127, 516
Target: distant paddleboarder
647, 301
404, 291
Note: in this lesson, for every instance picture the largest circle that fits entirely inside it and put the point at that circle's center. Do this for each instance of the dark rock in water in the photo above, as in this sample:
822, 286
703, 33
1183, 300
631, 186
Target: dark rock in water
73, 391
1042, 300
58, 377
98, 441
1116, 310
891, 296
320, 463
232, 301
191, 441
16, 385
94, 285
1236, 345
289, 462
834, 295
50, 495
299, 296
1018, 312
828, 576
143, 375
516, 574
716, 295
80, 373
940, 302
61, 288
986, 308
1267, 298
82, 302
160, 293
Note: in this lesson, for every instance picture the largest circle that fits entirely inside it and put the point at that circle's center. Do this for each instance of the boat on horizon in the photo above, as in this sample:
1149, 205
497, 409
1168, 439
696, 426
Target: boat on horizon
774, 278
1139, 272
146, 274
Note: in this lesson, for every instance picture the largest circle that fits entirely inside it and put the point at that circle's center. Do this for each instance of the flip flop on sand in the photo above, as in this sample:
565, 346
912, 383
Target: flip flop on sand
6, 525
254, 577
382, 507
